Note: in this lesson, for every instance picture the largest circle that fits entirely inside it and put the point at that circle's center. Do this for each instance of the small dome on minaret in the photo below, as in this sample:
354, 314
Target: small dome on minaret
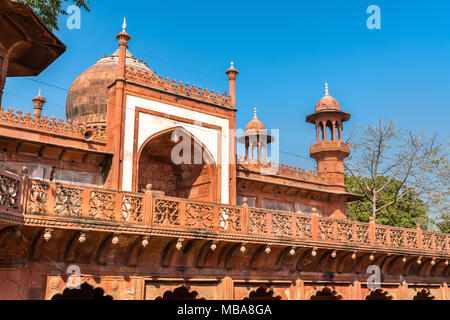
327, 102
255, 125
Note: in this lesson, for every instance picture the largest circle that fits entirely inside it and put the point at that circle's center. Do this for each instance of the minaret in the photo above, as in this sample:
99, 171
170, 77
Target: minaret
38, 104
232, 73
116, 112
329, 151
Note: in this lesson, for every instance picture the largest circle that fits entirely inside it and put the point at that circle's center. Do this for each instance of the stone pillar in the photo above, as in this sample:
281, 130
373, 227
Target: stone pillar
356, 290
324, 132
317, 132
403, 291
333, 132
340, 130
4, 59
228, 290
258, 146
232, 72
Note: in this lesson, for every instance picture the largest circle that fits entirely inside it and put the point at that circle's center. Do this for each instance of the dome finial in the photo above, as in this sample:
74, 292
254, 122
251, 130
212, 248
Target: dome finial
124, 25
232, 64
39, 94
254, 113
326, 88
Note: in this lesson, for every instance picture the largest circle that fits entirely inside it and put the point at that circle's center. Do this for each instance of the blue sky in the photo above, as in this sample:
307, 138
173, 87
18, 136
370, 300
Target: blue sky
285, 51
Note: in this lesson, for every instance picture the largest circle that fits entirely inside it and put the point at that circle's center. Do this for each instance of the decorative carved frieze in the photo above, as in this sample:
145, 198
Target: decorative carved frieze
362, 233
51, 125
9, 192
230, 219
304, 227
101, 205
281, 225
199, 216
258, 221
166, 211
38, 198
132, 208
68, 201
172, 86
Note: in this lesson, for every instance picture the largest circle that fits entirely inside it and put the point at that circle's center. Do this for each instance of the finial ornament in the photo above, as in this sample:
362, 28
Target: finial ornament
232, 64
124, 25
254, 113
326, 88
39, 94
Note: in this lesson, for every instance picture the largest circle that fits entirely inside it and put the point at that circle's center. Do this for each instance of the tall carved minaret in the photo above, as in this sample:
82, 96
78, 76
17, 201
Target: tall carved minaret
329, 151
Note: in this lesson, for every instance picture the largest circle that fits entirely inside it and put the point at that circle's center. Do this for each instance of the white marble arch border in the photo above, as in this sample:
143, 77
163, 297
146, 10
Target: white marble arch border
208, 136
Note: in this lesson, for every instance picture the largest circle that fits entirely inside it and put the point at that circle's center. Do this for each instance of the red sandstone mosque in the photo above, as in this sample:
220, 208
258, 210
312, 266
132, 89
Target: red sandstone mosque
98, 198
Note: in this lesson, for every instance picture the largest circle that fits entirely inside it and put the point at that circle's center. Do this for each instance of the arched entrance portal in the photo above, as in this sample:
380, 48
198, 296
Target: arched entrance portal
177, 164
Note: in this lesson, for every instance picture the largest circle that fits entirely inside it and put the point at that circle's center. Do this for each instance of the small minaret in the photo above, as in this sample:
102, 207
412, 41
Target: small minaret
232, 73
115, 121
123, 38
38, 104
329, 151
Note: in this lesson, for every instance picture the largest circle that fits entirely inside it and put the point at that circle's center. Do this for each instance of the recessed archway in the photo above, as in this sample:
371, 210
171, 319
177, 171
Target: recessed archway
177, 164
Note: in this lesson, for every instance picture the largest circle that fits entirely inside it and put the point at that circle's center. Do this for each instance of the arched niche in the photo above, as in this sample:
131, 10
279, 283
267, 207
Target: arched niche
86, 292
177, 164
424, 294
262, 293
326, 294
180, 293
379, 294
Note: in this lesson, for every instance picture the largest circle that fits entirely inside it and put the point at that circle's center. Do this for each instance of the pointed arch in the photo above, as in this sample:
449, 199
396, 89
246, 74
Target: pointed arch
194, 180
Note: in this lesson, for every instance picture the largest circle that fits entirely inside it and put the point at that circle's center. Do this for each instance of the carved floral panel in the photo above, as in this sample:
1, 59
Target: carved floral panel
38, 199
101, 205
132, 208
230, 219
258, 221
304, 227
9, 192
166, 211
68, 201
281, 224
198, 215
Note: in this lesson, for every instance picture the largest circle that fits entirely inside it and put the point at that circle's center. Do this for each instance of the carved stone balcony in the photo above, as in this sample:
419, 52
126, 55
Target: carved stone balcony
53, 205
328, 146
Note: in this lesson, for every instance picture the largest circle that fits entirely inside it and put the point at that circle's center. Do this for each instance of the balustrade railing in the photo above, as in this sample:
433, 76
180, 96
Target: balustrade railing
35, 197
50, 125
11, 192
175, 212
62, 200
283, 170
